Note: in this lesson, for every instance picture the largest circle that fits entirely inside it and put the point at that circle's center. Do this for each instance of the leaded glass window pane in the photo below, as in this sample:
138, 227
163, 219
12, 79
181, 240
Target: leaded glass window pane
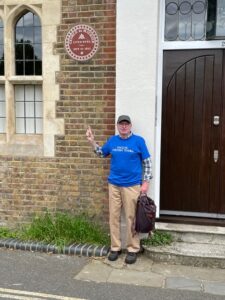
2, 125
216, 19
29, 67
1, 33
38, 67
185, 20
28, 45
29, 109
37, 52
20, 125
2, 109
29, 92
171, 20
20, 111
28, 19
220, 18
39, 109
30, 125
39, 126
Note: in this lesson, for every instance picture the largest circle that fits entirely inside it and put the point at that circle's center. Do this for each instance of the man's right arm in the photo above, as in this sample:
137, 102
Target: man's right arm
98, 151
90, 137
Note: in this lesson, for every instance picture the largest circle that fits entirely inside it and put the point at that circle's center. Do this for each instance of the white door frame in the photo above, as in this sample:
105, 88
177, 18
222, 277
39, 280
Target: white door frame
217, 44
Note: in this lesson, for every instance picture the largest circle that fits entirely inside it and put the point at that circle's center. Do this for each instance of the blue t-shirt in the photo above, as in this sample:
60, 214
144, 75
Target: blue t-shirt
126, 159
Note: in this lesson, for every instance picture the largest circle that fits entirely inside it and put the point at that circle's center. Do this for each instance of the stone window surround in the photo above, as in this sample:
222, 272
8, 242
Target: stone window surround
31, 144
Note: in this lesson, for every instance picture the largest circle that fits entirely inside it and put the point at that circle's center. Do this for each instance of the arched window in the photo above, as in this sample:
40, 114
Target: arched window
28, 48
28, 61
27, 127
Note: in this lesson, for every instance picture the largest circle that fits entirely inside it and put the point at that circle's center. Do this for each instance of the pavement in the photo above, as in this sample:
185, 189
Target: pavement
26, 275
147, 273
208, 281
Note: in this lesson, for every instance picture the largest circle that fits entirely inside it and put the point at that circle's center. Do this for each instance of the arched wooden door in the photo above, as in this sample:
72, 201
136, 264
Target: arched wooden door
193, 132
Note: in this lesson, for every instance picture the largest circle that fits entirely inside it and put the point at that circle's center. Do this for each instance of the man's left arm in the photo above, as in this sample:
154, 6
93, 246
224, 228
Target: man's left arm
147, 174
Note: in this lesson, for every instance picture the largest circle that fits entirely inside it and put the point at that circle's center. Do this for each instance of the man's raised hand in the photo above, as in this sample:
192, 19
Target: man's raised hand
89, 135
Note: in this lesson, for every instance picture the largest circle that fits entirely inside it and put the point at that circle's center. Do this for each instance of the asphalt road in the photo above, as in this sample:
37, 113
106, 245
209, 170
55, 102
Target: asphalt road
26, 276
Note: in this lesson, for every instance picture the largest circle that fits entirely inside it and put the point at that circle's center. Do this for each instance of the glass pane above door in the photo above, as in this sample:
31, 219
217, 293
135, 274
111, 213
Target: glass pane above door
185, 20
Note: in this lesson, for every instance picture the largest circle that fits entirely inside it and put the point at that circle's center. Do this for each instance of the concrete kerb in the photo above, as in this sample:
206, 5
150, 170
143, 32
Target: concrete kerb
74, 249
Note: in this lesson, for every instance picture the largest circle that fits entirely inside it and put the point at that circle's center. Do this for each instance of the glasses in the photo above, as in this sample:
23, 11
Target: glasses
124, 124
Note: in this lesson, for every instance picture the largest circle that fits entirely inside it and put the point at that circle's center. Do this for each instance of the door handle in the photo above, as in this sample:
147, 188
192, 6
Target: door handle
216, 120
216, 155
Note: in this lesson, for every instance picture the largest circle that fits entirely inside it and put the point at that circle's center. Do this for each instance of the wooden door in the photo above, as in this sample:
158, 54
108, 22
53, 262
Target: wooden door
192, 179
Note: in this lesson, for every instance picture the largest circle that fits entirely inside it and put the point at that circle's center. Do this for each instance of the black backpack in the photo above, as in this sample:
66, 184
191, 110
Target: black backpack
145, 214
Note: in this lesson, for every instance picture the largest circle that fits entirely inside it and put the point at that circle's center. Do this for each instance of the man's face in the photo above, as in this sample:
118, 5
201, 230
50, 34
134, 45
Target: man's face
124, 128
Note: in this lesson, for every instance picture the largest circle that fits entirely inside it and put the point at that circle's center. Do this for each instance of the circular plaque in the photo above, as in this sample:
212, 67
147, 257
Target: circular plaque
81, 42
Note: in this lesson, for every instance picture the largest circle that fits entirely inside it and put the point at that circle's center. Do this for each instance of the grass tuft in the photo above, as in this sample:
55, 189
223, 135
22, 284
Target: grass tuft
61, 229
7, 233
158, 238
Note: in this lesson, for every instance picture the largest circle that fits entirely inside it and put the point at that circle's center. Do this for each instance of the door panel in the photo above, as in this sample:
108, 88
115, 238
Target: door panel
192, 95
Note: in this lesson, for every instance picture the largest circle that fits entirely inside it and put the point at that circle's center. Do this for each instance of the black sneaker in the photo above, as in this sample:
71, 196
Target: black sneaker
113, 255
131, 258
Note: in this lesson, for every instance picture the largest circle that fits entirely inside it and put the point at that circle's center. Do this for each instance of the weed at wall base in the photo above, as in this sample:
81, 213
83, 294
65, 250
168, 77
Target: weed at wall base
60, 229
158, 238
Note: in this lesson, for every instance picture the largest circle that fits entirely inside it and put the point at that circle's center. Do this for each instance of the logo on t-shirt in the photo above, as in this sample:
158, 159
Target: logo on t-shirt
122, 149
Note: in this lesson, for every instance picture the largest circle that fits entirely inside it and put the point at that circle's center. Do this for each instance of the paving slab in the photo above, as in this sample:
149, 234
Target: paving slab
205, 274
216, 288
127, 276
183, 284
95, 271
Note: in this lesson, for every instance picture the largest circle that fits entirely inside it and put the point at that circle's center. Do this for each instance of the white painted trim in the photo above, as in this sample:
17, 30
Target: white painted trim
193, 45
192, 214
158, 112
136, 65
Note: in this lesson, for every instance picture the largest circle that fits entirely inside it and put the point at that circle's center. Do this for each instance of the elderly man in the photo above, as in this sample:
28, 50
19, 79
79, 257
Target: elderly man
130, 173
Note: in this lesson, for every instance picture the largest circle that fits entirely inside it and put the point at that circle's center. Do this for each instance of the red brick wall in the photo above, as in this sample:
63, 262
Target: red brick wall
75, 180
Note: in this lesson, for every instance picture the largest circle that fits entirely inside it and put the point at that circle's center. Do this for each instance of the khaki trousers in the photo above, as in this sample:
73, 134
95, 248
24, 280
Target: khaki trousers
125, 197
